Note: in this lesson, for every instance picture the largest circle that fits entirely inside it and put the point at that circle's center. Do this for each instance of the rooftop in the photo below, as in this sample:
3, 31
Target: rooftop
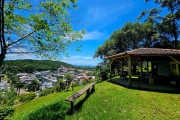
149, 52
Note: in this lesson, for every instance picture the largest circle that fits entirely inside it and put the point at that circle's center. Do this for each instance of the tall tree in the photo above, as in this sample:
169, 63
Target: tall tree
34, 86
168, 25
43, 27
70, 78
129, 37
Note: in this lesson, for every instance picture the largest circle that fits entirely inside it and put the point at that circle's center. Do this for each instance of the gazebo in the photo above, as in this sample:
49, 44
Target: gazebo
165, 62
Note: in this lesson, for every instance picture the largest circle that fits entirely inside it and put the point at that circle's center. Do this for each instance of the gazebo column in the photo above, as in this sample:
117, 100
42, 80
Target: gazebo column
130, 70
111, 61
121, 67
147, 69
141, 75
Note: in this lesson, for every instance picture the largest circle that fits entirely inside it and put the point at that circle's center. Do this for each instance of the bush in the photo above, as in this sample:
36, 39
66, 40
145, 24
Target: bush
47, 91
76, 84
5, 111
16, 101
7, 97
27, 96
85, 81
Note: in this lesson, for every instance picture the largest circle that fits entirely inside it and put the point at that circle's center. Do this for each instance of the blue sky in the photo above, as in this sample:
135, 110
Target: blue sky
100, 18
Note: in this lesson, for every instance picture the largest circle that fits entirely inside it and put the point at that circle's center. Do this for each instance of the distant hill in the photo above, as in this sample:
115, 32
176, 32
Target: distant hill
29, 65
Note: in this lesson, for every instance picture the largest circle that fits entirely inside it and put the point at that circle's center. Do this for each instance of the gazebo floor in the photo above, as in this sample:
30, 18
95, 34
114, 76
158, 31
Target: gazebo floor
136, 84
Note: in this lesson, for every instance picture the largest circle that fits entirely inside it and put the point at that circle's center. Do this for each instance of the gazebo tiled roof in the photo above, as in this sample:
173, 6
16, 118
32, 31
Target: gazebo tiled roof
147, 52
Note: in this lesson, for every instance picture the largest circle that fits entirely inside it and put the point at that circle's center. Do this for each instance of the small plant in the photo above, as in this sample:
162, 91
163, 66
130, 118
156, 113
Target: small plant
47, 91
27, 96
7, 97
86, 81
5, 111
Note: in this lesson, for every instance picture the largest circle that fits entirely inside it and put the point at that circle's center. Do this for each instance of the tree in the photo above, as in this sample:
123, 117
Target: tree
69, 77
34, 86
42, 27
168, 25
130, 36
19, 85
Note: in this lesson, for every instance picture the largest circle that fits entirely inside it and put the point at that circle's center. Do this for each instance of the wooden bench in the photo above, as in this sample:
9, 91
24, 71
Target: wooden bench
75, 96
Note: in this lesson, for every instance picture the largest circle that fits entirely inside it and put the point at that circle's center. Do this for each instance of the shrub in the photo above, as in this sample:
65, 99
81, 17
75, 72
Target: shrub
85, 81
5, 111
47, 91
16, 101
76, 84
27, 96
7, 97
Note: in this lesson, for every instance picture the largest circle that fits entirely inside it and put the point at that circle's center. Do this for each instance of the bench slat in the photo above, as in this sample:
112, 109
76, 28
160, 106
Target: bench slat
79, 93
85, 88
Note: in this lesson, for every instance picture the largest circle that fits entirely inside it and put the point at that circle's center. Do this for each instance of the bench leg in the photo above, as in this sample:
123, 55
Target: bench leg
72, 107
88, 92
93, 88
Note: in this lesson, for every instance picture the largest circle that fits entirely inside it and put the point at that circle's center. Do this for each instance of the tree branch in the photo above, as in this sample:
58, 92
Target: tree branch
22, 38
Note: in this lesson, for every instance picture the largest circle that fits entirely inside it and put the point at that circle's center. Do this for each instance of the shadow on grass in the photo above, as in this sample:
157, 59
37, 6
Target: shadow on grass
174, 91
78, 106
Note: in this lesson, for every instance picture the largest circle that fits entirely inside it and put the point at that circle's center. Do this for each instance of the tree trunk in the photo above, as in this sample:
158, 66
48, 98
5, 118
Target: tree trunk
2, 39
73, 86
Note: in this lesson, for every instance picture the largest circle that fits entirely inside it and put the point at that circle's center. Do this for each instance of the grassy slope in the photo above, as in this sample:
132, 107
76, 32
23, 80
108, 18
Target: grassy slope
21, 111
111, 101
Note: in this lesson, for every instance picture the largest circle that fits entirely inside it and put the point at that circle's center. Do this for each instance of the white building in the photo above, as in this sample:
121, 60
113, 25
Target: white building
3, 85
27, 79
21, 74
49, 82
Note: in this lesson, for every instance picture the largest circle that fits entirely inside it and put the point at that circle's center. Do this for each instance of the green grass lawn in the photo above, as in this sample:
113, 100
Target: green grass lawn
113, 102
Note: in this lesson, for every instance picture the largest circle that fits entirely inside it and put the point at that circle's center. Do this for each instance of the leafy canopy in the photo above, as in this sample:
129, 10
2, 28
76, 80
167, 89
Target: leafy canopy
43, 27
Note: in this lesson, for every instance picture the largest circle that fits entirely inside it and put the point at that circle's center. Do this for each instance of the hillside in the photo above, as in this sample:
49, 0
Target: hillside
29, 66
108, 102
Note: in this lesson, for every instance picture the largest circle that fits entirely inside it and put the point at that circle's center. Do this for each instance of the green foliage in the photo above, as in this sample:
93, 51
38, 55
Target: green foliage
47, 91
34, 86
69, 77
157, 31
7, 97
46, 27
17, 66
102, 72
27, 96
91, 73
130, 36
86, 81
167, 25
6, 111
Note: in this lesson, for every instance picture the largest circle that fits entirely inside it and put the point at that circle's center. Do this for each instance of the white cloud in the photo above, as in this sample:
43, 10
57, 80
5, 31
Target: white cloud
19, 50
75, 56
81, 60
20, 56
94, 35
88, 58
